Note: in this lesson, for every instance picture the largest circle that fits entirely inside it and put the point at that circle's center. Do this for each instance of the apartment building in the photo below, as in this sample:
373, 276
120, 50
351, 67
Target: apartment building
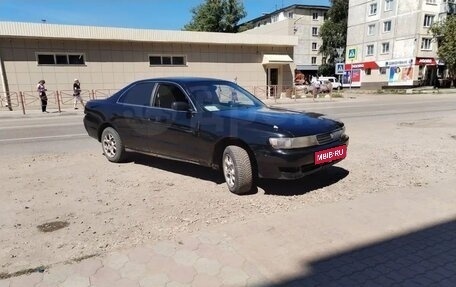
389, 44
303, 21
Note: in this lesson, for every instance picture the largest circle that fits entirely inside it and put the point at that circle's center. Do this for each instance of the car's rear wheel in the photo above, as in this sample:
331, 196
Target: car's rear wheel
237, 169
112, 145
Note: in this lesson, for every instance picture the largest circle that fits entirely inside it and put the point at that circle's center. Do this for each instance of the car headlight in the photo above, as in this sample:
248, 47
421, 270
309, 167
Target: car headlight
338, 133
290, 143
280, 143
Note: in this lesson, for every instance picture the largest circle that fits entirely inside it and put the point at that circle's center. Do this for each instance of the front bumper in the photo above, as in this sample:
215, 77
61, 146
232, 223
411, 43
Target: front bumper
292, 163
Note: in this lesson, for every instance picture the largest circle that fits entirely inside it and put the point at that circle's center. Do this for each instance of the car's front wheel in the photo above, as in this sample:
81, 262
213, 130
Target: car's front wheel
237, 169
112, 145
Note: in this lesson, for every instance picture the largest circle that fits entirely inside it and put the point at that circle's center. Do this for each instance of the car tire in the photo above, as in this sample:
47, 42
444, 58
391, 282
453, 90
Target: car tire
112, 145
237, 169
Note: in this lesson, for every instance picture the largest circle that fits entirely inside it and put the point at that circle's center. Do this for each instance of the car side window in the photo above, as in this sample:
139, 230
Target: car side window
167, 94
140, 94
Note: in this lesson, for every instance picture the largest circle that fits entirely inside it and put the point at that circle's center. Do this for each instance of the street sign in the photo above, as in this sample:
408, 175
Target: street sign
339, 59
340, 67
352, 53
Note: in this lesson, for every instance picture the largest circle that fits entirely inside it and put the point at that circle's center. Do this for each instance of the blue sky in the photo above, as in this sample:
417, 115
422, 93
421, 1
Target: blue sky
151, 14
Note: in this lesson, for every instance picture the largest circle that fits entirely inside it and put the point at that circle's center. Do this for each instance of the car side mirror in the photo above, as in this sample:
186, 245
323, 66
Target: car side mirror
180, 106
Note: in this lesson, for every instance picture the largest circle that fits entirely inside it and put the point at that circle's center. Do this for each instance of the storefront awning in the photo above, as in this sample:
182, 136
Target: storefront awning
276, 59
364, 65
425, 61
307, 67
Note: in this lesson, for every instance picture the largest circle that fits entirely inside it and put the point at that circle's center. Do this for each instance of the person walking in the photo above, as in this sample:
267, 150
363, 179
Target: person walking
41, 89
77, 94
315, 87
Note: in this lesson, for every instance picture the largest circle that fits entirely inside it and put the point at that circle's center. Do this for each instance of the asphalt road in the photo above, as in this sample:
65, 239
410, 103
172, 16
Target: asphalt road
66, 133
43, 135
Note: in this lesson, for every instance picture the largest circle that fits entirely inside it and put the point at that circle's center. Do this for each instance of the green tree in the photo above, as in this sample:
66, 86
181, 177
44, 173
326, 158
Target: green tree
217, 16
333, 32
444, 32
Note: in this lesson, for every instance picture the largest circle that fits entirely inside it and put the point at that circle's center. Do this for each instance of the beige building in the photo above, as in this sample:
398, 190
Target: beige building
389, 44
303, 21
109, 58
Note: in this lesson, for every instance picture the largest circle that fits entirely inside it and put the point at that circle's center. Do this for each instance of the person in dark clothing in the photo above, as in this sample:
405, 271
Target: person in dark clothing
41, 89
436, 83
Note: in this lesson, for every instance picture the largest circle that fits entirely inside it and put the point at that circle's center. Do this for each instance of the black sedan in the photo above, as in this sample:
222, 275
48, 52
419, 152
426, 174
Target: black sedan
214, 123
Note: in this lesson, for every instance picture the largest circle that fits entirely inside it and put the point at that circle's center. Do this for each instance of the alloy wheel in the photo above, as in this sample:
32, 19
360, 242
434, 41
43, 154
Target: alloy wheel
228, 169
109, 145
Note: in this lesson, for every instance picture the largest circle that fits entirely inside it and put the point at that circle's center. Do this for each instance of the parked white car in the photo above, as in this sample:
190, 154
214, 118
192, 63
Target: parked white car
334, 81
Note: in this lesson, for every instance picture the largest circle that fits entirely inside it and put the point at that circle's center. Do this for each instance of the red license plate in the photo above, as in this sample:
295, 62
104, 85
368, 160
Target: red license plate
331, 154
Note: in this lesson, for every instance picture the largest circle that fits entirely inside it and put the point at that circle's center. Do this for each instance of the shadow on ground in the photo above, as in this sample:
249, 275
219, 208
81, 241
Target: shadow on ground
321, 179
426, 257
178, 167
326, 177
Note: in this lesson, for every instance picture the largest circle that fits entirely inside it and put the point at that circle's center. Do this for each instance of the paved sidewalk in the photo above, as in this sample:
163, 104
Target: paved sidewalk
396, 238
16, 114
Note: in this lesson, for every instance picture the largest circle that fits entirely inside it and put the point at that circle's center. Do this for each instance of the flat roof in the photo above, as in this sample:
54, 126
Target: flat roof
75, 32
291, 7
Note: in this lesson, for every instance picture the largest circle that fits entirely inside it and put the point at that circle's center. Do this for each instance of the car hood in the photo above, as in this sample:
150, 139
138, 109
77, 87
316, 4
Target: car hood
282, 120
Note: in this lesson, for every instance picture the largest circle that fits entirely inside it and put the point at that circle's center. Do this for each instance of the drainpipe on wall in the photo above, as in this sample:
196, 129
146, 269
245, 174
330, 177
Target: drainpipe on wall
4, 85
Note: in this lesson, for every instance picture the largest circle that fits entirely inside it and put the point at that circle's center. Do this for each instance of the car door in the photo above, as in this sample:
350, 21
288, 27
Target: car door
176, 132
133, 116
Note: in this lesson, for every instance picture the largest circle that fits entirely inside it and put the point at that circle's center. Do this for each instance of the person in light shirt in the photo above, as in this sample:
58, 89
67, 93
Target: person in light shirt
41, 89
77, 94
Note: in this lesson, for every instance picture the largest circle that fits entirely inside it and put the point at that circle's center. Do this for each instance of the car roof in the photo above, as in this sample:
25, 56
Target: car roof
184, 80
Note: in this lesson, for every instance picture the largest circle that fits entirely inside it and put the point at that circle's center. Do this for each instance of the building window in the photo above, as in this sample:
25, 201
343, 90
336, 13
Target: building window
387, 26
370, 50
371, 29
385, 48
314, 60
315, 16
373, 9
157, 60
382, 70
368, 71
431, 2
60, 59
314, 46
388, 5
314, 31
428, 20
290, 15
274, 18
323, 60
426, 44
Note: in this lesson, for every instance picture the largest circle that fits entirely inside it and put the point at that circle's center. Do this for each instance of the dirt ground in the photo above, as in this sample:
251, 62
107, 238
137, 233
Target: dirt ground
102, 206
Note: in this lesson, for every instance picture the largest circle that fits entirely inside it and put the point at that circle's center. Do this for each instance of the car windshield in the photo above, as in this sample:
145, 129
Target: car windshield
217, 96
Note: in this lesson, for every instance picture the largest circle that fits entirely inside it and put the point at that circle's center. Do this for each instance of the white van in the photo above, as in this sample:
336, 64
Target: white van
334, 81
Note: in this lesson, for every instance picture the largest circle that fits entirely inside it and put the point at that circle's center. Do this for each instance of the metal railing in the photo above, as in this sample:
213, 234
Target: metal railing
66, 97
9, 100
103, 93
30, 100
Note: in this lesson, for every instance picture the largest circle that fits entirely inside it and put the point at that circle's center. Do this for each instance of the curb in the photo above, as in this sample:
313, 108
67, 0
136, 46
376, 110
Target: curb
37, 114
